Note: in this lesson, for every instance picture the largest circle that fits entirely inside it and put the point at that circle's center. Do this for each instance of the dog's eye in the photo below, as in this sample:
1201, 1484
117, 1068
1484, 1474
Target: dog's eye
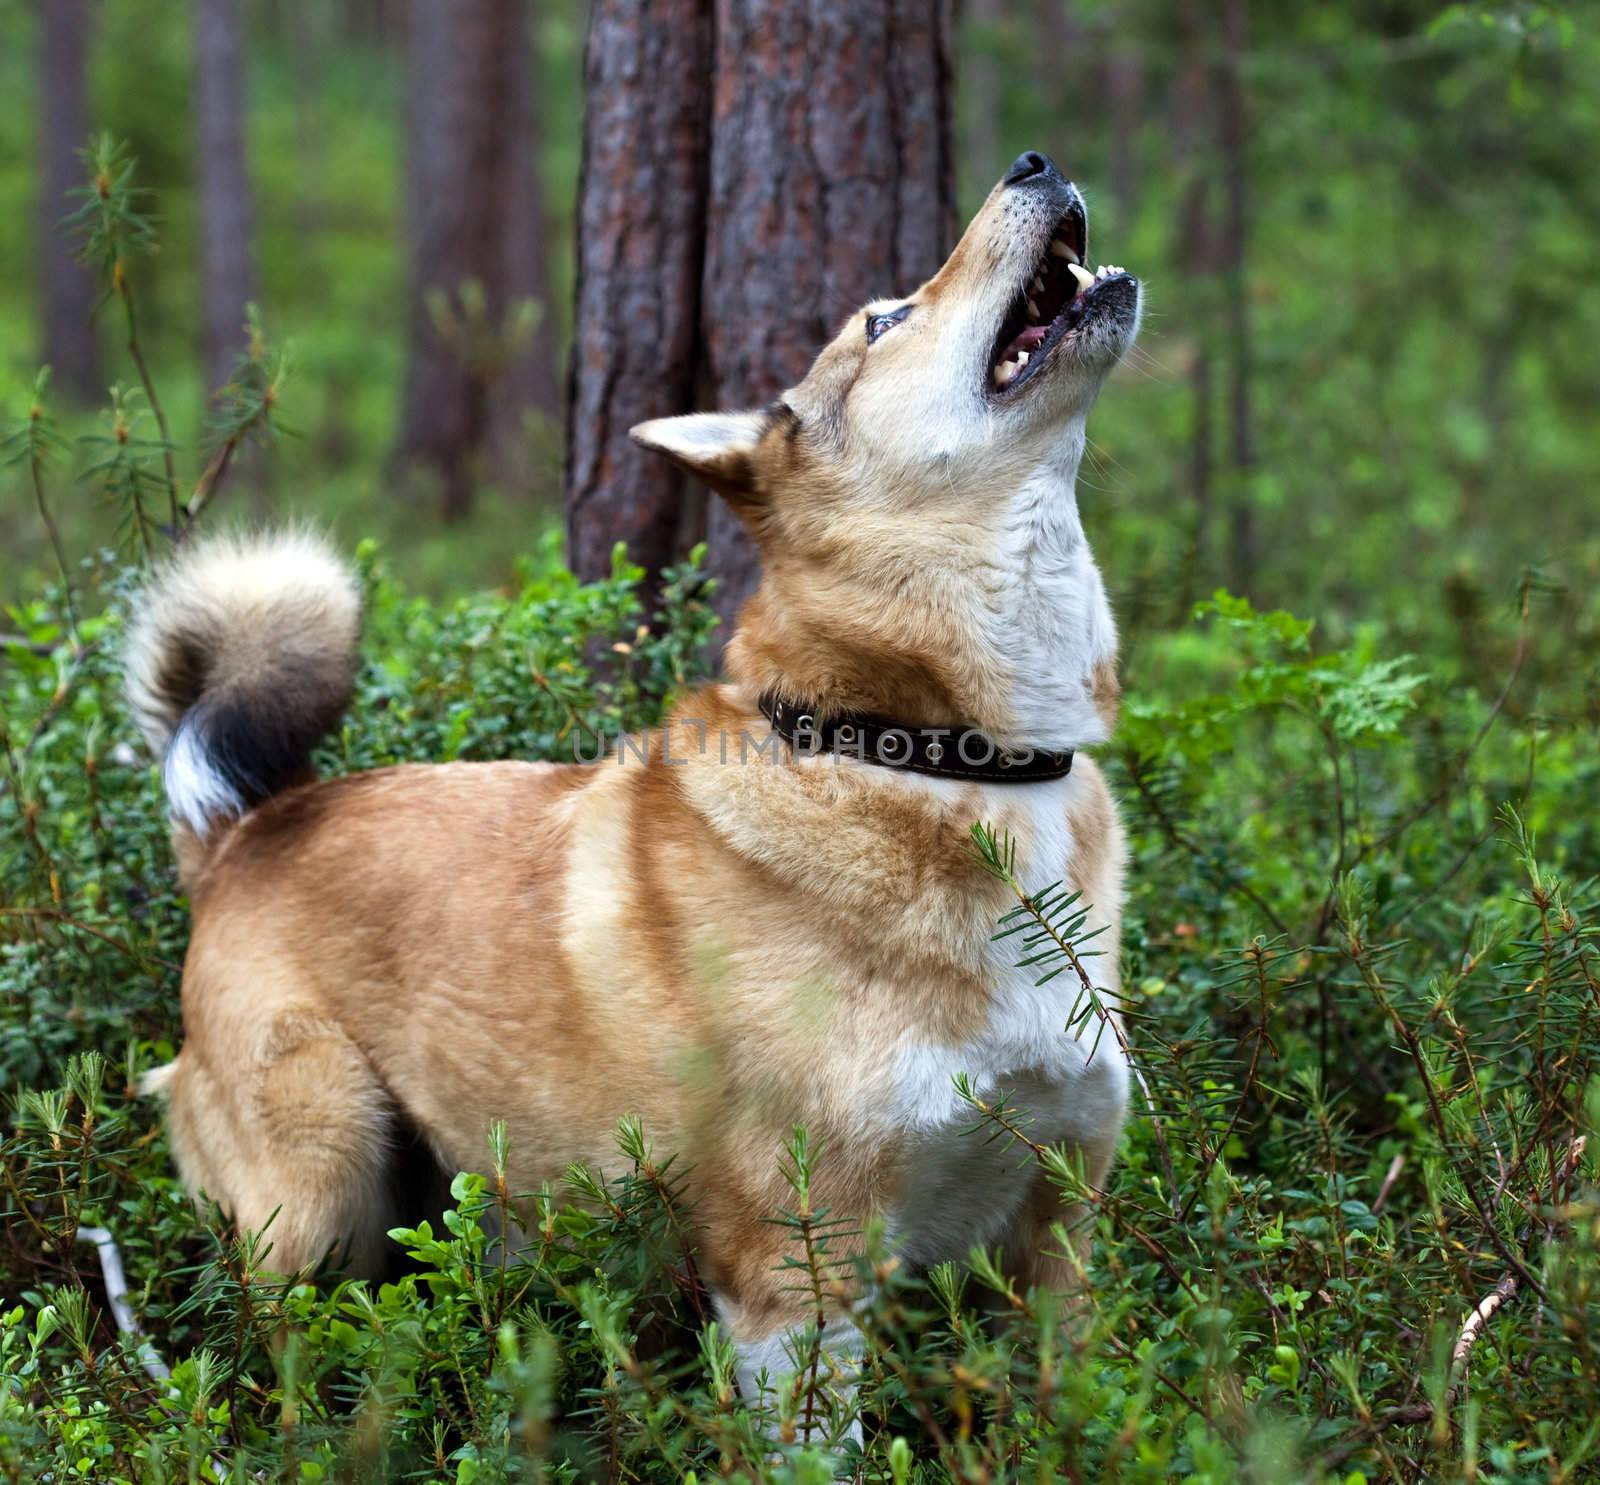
877, 324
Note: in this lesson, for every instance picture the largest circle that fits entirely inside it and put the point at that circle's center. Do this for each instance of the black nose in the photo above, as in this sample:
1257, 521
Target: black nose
1027, 165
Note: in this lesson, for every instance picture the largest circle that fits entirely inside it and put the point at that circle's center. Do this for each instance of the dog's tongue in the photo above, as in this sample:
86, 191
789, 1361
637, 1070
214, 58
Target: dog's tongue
1024, 342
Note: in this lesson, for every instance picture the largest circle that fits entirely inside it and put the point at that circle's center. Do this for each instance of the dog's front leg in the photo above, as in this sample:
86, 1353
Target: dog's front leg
1035, 1257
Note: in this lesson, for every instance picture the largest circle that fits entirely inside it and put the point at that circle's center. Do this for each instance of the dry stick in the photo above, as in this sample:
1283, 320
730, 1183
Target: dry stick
206, 486
119, 276
1508, 1283
1396, 1165
1374, 982
1481, 1314
1505, 1289
117, 1297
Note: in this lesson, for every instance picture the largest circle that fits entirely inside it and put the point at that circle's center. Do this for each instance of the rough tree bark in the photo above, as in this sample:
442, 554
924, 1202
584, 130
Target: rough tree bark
1192, 110
470, 146
1231, 127
641, 230
527, 382
832, 180
228, 281
67, 288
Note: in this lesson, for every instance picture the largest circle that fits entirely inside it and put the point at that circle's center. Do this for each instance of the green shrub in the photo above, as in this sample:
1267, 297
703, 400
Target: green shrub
1352, 1234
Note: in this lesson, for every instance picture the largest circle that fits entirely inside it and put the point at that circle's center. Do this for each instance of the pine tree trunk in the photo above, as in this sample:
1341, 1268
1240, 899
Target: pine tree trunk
526, 385
641, 231
716, 256
67, 288
228, 281
1234, 248
1124, 93
469, 121
832, 180
1194, 162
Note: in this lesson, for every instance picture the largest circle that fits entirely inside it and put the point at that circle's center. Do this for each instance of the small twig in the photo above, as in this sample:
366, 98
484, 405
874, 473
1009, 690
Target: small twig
1472, 1328
1396, 1165
1257, 954
117, 1297
1479, 1316
1506, 1288
1361, 958
211, 477
574, 719
54, 915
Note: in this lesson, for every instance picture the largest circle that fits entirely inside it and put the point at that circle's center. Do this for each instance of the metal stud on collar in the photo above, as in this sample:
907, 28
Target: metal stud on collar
868, 737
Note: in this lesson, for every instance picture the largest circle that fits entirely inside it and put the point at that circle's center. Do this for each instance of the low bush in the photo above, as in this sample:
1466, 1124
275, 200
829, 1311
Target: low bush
1352, 1234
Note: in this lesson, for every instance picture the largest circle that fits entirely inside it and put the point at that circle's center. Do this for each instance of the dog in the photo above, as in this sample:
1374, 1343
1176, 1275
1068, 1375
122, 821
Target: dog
724, 940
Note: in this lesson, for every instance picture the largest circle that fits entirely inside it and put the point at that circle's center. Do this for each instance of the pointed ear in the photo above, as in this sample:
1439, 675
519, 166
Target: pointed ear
718, 448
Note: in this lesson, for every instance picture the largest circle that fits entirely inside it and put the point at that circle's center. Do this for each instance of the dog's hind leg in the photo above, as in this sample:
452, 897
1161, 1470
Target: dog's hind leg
297, 1138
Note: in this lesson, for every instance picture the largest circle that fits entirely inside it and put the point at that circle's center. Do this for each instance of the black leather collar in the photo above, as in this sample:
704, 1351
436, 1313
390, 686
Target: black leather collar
942, 752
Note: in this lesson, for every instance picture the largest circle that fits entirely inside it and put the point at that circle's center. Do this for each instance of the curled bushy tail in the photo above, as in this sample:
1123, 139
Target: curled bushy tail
239, 658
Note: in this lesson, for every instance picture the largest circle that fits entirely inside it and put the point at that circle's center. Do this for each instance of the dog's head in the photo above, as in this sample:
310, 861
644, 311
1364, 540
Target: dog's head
900, 460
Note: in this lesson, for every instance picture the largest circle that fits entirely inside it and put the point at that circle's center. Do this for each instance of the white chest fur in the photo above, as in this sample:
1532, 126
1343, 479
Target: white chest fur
961, 1185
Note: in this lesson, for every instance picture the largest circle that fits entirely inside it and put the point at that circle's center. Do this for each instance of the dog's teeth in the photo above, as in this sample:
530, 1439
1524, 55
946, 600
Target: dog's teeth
1084, 277
1037, 286
1004, 373
1033, 310
1022, 359
1060, 250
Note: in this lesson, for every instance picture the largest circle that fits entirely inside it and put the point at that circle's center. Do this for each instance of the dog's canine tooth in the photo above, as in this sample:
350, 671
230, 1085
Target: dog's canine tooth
1037, 286
1005, 372
1059, 249
1084, 277
1033, 310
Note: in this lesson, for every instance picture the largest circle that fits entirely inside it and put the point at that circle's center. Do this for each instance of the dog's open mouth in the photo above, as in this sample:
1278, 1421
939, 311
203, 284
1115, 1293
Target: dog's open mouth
1058, 297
